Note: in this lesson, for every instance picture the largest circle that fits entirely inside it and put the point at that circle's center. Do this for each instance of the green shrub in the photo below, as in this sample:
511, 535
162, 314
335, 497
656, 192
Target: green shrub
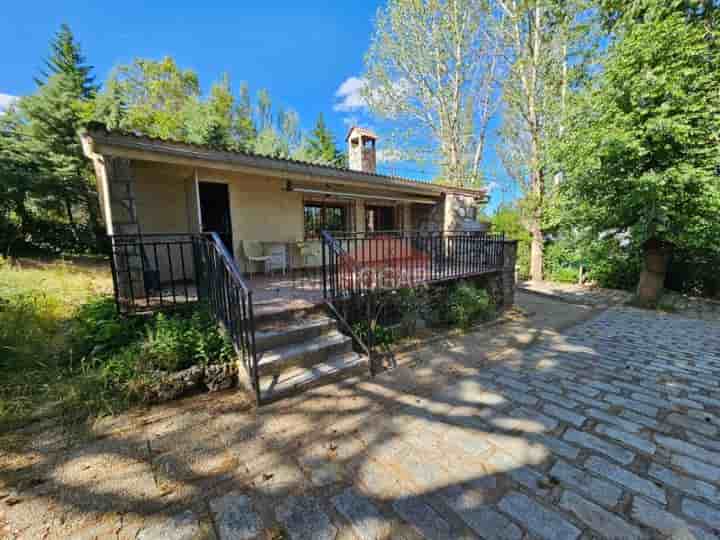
382, 336
98, 330
175, 343
468, 304
564, 274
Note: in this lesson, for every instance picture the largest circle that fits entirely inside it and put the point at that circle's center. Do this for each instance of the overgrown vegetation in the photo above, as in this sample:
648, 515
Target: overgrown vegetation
396, 314
66, 351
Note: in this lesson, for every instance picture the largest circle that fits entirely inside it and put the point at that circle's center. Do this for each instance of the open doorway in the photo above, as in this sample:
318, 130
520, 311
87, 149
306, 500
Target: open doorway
215, 211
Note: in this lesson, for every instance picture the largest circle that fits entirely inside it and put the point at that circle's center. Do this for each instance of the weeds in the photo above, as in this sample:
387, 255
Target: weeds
65, 351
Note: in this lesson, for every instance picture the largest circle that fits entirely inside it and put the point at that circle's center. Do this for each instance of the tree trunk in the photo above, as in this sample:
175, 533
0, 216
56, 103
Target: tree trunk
537, 247
656, 256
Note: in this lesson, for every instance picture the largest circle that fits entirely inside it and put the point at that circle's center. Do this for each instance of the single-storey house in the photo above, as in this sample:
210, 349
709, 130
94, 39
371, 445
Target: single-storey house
151, 186
234, 229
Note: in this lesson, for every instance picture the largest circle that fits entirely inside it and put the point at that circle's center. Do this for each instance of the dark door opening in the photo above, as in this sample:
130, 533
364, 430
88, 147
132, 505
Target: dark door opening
379, 218
215, 211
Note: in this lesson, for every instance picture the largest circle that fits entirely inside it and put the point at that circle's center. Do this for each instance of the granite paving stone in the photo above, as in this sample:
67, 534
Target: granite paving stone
625, 478
235, 517
304, 519
597, 444
601, 521
601, 491
537, 519
365, 519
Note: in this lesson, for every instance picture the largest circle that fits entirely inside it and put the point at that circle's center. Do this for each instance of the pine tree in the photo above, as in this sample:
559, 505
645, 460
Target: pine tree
321, 145
244, 130
66, 57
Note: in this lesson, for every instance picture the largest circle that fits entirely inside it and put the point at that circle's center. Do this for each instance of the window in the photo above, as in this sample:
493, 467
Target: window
319, 216
379, 218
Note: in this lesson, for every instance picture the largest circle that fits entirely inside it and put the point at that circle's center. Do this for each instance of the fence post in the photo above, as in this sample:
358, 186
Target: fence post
324, 267
509, 257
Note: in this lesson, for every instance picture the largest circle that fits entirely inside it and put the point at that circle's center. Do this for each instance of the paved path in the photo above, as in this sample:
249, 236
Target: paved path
607, 429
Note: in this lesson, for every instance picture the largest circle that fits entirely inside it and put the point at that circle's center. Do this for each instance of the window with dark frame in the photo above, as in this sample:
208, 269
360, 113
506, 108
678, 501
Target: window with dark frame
332, 217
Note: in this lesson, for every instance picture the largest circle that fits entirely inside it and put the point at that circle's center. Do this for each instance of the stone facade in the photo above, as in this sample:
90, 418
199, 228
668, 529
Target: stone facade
460, 214
454, 213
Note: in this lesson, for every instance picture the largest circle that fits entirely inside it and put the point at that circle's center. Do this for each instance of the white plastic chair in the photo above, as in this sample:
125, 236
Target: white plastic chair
253, 252
278, 258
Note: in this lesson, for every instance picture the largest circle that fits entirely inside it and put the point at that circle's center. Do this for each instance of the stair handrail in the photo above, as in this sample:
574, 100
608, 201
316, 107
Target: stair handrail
242, 320
229, 260
335, 247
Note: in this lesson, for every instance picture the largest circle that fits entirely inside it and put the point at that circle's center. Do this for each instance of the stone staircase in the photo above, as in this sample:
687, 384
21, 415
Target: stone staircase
299, 349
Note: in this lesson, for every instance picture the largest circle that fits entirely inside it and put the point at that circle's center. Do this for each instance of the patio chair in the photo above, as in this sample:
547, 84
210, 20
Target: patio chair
278, 258
253, 252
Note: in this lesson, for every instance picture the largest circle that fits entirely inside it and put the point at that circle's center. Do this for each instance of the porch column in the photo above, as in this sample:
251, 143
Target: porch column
123, 220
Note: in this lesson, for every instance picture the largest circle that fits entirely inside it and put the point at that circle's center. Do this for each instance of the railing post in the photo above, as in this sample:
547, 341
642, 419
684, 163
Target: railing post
324, 266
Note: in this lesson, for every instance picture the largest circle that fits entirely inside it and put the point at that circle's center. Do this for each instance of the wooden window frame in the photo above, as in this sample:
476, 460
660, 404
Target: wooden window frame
348, 217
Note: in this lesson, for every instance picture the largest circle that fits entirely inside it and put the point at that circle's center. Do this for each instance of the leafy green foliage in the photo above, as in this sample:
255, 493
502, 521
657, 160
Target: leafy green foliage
382, 336
320, 146
468, 304
508, 219
47, 186
641, 152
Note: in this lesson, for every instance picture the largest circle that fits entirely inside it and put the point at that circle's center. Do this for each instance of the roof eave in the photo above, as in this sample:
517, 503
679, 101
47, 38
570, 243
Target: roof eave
137, 147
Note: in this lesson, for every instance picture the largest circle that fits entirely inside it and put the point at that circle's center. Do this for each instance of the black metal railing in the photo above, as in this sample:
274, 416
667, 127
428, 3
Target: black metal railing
229, 299
152, 271
356, 263
162, 271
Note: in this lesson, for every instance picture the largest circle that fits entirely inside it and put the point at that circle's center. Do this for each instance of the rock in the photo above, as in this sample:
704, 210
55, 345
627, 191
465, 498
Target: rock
220, 377
173, 385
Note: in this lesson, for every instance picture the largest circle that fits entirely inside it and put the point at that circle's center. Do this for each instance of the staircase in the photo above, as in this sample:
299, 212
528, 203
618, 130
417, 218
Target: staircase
299, 349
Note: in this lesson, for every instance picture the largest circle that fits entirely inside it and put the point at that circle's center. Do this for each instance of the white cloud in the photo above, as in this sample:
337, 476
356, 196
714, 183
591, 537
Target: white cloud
389, 155
349, 95
5, 101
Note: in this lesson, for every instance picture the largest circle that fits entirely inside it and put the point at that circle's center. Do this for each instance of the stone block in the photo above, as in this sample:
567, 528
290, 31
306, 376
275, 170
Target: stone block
537, 519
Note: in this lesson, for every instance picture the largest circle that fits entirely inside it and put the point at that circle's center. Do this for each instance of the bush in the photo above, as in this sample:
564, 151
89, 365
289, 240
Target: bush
468, 304
382, 336
176, 343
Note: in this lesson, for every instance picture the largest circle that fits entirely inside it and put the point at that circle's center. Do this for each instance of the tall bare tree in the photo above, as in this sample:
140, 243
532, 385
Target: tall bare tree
434, 65
538, 38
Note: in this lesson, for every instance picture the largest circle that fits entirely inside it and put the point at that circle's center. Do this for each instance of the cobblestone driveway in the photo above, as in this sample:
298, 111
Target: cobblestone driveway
607, 430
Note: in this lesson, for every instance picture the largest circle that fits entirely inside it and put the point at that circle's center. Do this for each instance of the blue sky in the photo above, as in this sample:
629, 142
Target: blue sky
306, 54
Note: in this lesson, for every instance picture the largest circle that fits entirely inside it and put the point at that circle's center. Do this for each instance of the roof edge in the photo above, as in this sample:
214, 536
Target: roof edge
97, 134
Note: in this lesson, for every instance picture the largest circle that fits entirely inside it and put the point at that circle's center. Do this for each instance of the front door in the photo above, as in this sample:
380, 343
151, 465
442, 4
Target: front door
215, 211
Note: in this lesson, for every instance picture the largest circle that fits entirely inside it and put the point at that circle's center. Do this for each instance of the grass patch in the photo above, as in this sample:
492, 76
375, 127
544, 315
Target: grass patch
64, 351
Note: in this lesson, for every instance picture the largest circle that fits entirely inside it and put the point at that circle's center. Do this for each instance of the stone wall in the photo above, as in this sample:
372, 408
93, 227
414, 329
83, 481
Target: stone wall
453, 213
461, 214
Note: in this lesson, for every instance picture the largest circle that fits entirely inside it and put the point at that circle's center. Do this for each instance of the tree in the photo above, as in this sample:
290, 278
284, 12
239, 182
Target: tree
433, 64
244, 130
320, 145
150, 97
66, 57
48, 179
641, 153
539, 37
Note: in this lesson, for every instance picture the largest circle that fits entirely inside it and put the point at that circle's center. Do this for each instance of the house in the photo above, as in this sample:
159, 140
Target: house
160, 199
153, 186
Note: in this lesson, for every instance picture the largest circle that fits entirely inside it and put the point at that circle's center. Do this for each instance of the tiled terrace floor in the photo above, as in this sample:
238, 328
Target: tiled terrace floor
608, 429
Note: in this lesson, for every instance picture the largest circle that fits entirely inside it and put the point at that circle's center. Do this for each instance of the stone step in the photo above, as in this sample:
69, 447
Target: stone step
292, 332
297, 379
271, 312
305, 354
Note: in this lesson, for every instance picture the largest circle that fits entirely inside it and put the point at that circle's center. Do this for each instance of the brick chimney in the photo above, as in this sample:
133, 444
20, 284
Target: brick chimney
361, 149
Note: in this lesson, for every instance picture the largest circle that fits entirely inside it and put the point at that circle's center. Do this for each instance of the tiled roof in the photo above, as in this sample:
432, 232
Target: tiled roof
100, 133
